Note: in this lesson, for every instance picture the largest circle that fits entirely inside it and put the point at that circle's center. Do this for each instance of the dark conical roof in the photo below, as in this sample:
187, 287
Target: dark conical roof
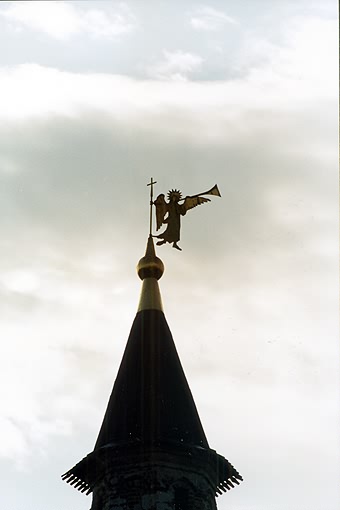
151, 400
151, 407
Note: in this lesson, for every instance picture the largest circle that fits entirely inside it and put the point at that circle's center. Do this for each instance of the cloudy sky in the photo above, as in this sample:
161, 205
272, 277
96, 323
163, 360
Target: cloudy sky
97, 97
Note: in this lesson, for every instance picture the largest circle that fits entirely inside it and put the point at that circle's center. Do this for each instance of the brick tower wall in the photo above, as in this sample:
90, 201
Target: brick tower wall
154, 488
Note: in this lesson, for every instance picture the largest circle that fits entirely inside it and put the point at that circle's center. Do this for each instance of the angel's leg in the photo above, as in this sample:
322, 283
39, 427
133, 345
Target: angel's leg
175, 245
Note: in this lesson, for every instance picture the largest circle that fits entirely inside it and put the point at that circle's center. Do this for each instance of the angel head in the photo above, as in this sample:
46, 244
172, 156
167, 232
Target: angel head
174, 195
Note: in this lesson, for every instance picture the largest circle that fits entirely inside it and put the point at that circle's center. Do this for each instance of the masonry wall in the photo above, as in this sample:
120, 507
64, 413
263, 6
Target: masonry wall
154, 488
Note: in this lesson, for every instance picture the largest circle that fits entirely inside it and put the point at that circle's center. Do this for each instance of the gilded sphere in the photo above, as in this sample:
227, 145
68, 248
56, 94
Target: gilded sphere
150, 267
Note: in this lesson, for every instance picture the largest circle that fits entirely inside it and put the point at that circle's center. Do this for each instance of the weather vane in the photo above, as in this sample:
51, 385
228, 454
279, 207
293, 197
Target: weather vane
169, 213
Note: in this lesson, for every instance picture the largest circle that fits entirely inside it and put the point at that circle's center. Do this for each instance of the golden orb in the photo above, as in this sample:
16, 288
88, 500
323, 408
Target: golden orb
150, 267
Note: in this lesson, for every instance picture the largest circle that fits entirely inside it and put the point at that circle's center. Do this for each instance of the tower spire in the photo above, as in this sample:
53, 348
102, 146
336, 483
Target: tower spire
151, 451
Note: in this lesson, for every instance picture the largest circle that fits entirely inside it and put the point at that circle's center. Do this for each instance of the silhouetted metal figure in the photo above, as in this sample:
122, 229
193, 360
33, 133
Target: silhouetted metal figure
169, 213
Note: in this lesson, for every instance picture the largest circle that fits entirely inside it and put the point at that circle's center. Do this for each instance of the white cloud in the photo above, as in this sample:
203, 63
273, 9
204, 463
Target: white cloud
176, 66
20, 281
210, 20
309, 57
294, 75
63, 20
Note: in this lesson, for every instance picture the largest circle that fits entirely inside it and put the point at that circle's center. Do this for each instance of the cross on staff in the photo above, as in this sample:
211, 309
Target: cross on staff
151, 183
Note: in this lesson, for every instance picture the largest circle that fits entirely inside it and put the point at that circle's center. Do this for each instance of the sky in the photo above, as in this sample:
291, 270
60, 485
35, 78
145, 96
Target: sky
95, 98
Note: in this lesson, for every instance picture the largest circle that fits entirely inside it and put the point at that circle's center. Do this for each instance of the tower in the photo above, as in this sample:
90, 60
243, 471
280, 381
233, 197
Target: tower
151, 452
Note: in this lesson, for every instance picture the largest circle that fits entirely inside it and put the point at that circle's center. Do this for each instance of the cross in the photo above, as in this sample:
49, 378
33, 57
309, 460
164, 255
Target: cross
151, 183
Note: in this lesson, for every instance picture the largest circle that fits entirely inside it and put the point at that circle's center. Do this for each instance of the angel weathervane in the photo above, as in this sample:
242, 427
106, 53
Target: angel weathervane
169, 213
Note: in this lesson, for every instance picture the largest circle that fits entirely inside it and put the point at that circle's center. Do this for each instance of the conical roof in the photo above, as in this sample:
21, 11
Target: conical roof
151, 400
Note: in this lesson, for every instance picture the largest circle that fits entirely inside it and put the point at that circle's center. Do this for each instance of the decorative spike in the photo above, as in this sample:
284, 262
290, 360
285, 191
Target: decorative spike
235, 480
84, 489
80, 482
74, 481
89, 491
219, 490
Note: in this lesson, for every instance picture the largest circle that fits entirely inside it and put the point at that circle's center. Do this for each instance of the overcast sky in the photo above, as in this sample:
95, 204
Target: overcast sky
97, 97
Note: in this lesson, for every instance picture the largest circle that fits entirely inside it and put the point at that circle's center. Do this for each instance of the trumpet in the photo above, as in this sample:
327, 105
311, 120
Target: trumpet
213, 191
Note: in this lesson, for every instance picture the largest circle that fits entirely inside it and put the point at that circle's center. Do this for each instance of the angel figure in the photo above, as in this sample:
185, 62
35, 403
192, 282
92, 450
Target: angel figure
174, 210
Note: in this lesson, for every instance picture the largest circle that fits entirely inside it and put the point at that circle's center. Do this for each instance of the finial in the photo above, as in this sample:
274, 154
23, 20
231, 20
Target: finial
150, 269
150, 266
174, 210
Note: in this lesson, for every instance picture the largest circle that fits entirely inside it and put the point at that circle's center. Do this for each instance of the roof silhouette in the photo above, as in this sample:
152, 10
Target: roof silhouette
151, 413
151, 400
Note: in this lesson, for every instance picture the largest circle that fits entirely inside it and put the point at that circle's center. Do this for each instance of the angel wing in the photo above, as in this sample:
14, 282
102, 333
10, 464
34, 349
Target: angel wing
190, 202
161, 210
